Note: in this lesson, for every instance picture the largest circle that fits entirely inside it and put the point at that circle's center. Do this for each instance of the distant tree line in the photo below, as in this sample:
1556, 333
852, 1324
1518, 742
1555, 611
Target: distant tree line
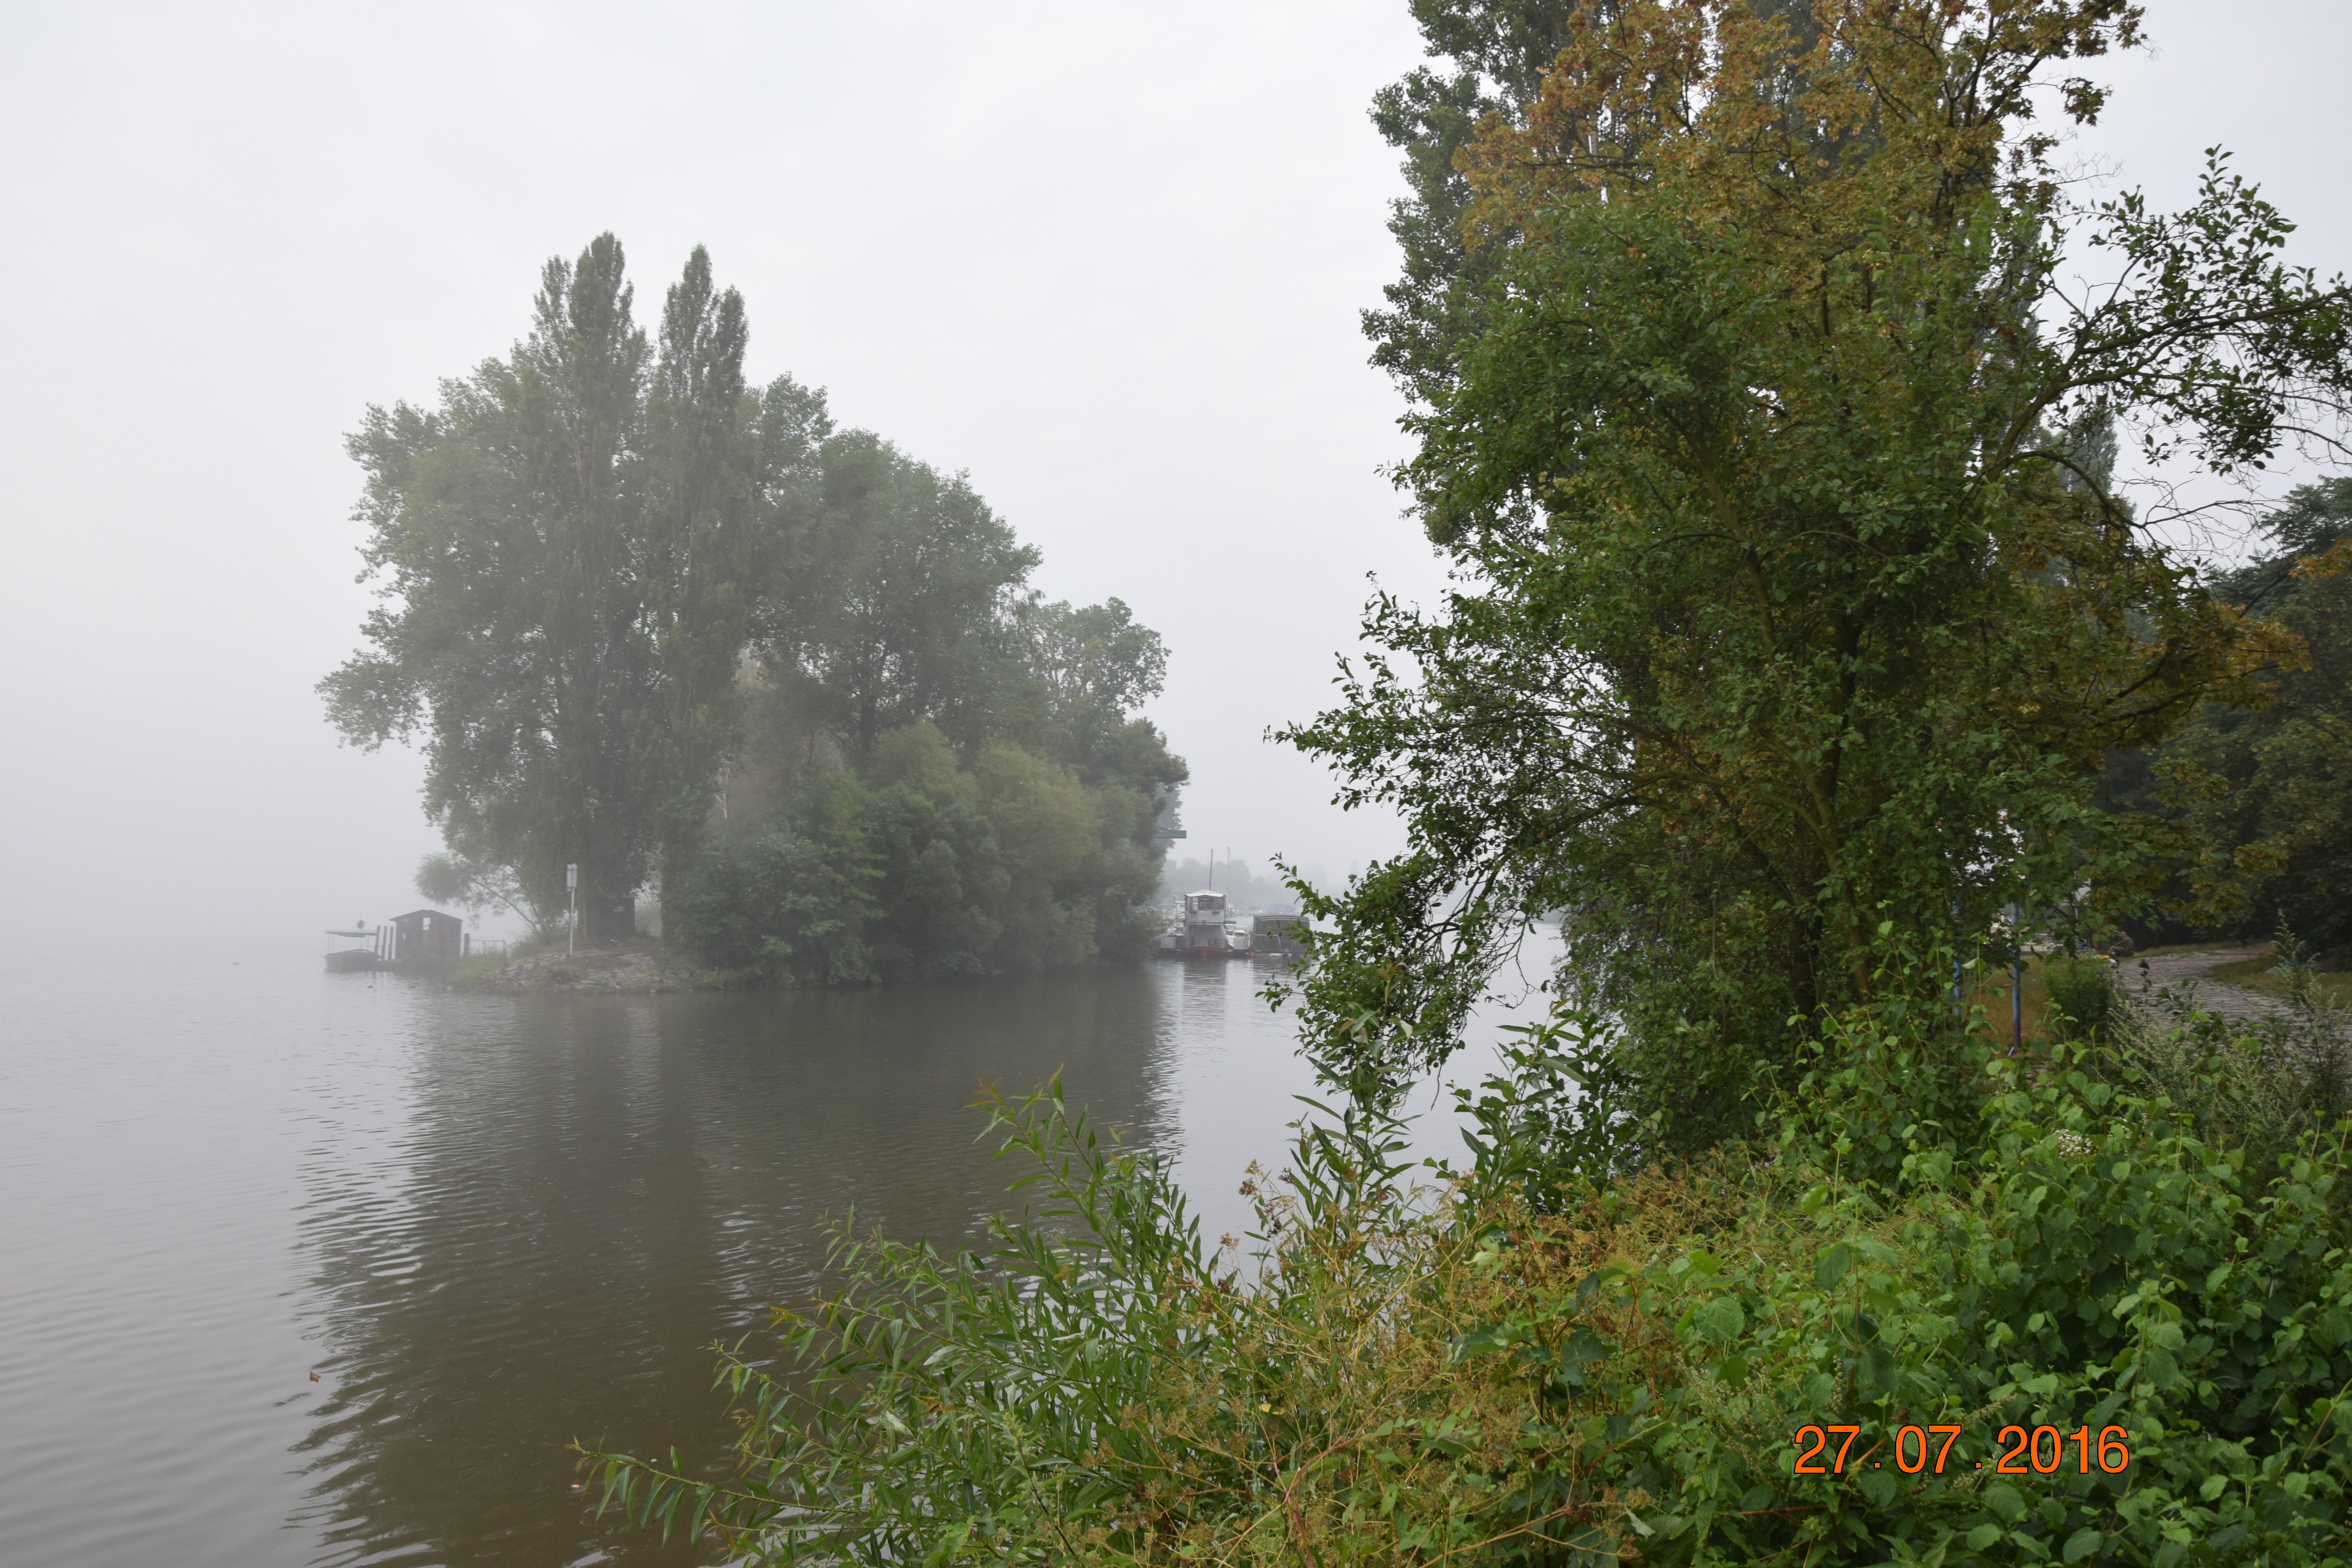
671, 627
2262, 794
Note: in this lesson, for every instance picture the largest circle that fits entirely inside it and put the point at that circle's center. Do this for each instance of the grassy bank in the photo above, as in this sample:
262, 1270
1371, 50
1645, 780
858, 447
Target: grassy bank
2261, 972
645, 964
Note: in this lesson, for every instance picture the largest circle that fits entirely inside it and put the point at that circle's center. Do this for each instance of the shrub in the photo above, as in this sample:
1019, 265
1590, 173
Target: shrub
919, 869
2083, 991
793, 904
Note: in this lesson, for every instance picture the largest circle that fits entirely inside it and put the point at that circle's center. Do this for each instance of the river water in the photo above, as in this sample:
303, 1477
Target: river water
490, 1225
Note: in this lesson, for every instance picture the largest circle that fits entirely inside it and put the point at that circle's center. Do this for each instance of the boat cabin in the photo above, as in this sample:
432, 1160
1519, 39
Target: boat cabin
1205, 930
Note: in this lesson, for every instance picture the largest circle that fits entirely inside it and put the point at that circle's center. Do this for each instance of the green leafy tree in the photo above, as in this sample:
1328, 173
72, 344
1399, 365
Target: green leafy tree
1789, 620
502, 523
987, 740
568, 547
1488, 56
731, 475
1080, 673
896, 611
918, 867
793, 903
944, 877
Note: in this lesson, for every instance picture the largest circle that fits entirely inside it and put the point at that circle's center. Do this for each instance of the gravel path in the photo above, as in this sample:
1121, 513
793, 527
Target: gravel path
2172, 969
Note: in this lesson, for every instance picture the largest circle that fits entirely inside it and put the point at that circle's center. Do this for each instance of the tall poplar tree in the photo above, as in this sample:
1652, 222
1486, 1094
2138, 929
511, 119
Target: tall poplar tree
570, 548
501, 525
730, 502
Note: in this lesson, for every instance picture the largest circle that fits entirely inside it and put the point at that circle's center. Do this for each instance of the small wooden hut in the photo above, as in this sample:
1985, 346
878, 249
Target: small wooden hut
426, 939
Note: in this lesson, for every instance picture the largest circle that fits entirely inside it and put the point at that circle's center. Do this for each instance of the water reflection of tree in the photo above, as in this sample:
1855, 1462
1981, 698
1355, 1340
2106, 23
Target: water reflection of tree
587, 1193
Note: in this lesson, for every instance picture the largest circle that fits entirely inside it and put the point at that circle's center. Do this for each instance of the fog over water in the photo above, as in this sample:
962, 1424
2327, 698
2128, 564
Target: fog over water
1108, 257
491, 1223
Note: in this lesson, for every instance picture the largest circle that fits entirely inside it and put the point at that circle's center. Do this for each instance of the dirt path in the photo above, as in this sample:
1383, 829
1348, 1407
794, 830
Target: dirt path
2173, 969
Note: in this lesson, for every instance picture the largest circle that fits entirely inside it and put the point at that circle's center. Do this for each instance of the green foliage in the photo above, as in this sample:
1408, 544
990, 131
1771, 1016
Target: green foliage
894, 612
920, 868
1887, 1082
1081, 671
622, 583
1936, 1235
1558, 1117
2265, 791
981, 740
2263, 1084
2083, 990
1773, 459
792, 904
1489, 56
1793, 617
568, 548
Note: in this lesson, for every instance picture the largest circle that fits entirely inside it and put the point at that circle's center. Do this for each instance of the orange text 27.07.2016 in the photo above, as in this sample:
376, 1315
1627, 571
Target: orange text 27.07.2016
2016, 1451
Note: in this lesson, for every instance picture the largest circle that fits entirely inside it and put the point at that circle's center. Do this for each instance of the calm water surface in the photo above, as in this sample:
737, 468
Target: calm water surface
492, 1224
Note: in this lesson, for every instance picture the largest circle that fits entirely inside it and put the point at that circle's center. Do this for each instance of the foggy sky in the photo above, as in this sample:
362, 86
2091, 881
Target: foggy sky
1107, 258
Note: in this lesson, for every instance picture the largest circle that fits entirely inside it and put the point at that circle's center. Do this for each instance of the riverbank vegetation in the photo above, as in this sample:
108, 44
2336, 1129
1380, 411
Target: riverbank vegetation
653, 621
1804, 602
1567, 1354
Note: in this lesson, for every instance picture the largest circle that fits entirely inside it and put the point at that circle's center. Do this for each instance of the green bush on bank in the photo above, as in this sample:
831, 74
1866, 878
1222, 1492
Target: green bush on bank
2083, 990
917, 866
1598, 1359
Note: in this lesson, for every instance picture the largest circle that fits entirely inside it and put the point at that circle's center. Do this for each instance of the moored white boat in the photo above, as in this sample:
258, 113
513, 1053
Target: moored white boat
1204, 930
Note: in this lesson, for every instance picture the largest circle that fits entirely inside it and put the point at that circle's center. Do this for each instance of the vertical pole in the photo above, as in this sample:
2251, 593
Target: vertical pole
571, 925
2016, 978
1960, 989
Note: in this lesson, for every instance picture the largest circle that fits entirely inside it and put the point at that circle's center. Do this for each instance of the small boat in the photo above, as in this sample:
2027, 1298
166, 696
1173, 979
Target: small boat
357, 960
